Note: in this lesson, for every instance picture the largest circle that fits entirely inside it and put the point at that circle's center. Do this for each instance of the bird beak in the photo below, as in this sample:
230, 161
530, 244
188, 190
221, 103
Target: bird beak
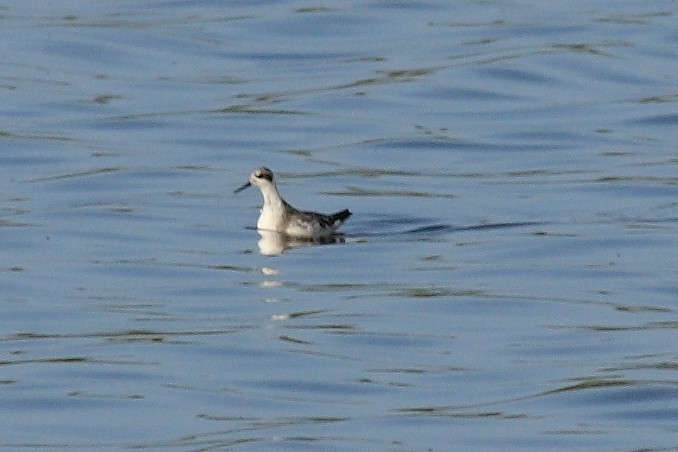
238, 190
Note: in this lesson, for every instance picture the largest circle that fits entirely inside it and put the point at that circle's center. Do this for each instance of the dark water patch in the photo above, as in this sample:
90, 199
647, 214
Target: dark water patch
667, 119
325, 390
388, 340
263, 433
656, 99
358, 191
632, 18
456, 144
304, 314
428, 292
649, 326
431, 229
47, 137
155, 336
586, 48
419, 143
445, 228
362, 171
484, 226
251, 109
288, 56
641, 309
15, 224
394, 226
516, 75
467, 94
457, 413
388, 77
467, 24
335, 328
59, 360
656, 365
290, 339
128, 122
77, 174
332, 287
592, 383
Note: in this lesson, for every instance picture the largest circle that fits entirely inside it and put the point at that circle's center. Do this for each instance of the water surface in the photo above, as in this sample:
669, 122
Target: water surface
507, 280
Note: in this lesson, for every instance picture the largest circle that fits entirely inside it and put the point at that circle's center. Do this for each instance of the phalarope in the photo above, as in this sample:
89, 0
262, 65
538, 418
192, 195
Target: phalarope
277, 215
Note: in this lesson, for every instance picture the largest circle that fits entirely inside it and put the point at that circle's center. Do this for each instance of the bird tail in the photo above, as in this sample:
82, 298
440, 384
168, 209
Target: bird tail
342, 215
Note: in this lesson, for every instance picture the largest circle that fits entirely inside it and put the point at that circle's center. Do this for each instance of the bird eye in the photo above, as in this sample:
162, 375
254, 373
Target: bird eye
264, 175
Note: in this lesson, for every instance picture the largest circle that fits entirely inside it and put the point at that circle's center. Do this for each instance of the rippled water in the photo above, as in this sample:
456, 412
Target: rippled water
508, 280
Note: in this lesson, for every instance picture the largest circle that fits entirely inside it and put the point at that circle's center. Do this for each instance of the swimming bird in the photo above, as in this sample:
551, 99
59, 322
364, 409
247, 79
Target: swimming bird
279, 216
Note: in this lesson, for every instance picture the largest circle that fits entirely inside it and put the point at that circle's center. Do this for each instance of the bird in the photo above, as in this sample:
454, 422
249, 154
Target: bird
279, 216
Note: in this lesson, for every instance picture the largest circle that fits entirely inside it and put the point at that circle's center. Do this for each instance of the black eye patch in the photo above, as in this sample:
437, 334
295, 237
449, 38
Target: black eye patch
266, 176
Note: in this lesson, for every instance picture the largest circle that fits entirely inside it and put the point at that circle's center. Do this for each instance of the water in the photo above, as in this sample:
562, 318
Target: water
508, 279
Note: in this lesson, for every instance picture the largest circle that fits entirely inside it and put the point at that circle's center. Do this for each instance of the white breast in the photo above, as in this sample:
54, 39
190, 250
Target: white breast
269, 220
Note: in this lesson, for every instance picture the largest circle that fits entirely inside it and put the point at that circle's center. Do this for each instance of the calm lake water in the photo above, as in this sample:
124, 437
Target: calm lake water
508, 281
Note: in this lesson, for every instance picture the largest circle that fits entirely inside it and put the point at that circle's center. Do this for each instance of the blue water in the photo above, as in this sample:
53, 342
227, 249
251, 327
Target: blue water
508, 279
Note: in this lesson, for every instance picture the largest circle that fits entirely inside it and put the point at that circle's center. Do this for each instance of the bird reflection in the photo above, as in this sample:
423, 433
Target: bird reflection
274, 243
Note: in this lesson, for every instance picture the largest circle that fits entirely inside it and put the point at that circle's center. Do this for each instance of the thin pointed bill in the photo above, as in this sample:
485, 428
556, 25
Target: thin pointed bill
238, 190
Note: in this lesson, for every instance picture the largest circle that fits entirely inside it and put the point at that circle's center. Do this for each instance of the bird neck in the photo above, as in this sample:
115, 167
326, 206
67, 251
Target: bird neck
271, 196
